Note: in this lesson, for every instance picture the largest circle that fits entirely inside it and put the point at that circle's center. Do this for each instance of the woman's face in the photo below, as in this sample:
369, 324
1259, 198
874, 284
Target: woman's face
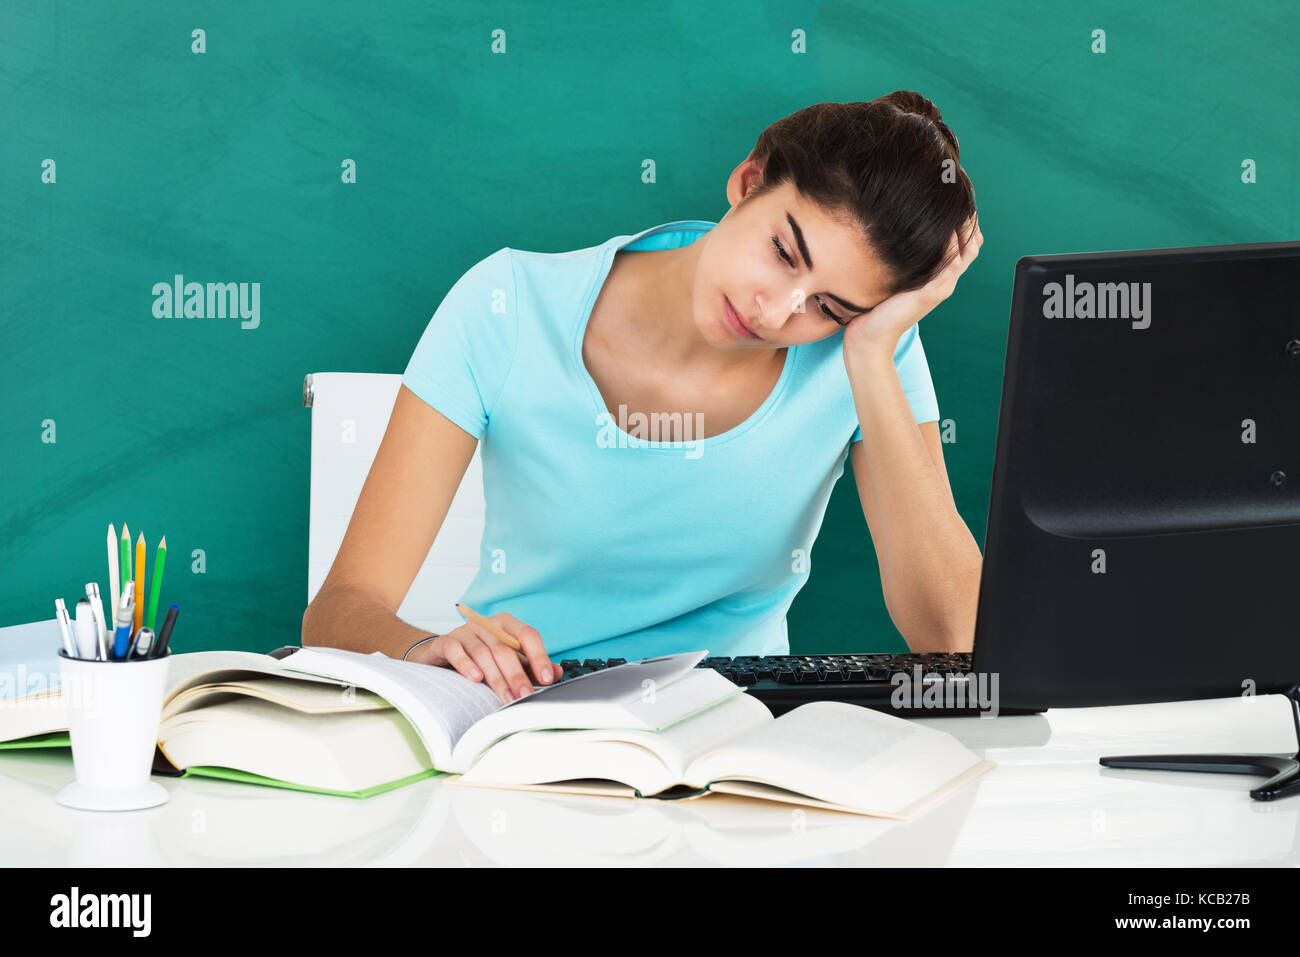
792, 273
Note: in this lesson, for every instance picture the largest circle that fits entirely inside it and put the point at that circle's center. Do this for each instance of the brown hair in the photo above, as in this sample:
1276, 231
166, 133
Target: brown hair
879, 165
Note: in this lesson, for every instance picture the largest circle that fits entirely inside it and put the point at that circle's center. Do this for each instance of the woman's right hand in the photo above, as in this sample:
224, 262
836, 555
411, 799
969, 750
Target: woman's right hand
480, 655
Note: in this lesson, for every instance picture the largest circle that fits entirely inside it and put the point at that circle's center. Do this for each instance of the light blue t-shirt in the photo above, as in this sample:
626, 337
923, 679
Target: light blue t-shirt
615, 547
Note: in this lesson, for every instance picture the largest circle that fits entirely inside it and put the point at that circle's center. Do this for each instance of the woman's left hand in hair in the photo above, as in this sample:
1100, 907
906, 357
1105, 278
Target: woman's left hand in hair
884, 325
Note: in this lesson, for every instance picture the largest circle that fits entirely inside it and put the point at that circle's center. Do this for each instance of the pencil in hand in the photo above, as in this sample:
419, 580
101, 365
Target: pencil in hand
491, 626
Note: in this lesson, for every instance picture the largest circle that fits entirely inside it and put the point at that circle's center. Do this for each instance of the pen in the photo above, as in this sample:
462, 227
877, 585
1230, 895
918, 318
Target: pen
97, 610
86, 631
65, 627
160, 644
125, 615
142, 642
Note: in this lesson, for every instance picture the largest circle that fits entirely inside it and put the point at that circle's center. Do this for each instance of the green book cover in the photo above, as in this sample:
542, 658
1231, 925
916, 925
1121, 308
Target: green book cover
60, 739
230, 774
54, 739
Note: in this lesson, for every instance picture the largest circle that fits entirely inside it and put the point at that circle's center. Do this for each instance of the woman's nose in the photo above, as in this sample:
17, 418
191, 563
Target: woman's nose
770, 318
767, 318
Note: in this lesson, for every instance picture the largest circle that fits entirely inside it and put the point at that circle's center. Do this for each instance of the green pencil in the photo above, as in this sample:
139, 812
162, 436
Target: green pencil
159, 557
124, 567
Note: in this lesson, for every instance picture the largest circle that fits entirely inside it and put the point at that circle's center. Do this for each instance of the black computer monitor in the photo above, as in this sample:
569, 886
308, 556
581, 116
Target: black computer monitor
1143, 539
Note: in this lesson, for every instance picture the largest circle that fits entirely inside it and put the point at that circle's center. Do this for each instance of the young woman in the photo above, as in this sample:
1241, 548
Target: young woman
664, 415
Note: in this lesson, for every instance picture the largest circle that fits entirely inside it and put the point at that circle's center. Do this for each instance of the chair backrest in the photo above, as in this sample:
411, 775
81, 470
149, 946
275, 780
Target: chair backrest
350, 412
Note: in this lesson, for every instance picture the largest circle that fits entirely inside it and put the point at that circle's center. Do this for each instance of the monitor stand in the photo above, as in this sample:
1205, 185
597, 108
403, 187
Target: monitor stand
1283, 771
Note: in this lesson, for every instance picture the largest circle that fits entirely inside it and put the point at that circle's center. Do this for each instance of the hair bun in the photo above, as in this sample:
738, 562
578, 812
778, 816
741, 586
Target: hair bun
909, 101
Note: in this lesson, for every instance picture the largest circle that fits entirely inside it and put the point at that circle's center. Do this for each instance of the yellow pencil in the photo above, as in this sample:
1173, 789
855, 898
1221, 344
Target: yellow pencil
139, 584
493, 627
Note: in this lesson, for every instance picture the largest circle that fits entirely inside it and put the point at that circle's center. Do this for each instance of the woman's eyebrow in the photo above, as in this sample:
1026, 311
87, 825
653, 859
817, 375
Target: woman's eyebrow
807, 258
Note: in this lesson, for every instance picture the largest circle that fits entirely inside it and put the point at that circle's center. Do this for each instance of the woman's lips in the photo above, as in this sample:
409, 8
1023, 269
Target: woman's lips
733, 319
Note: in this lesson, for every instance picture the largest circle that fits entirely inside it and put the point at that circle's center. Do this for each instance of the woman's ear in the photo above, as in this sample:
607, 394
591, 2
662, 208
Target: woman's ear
743, 179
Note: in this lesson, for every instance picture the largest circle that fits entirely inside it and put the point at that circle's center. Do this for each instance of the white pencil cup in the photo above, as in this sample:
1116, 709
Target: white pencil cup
114, 710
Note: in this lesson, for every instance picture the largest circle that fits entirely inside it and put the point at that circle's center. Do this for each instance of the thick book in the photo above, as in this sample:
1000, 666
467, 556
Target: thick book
341, 722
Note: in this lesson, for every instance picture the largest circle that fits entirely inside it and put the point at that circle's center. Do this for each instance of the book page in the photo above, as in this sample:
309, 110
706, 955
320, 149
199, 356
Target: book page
842, 754
650, 761
767, 792
311, 697
633, 703
348, 751
194, 668
441, 703
680, 743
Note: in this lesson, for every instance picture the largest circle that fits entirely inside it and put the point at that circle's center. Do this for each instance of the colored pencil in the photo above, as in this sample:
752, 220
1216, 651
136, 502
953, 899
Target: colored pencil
139, 586
126, 558
159, 557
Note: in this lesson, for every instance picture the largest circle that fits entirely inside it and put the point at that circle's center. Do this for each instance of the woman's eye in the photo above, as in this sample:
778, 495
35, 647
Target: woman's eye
780, 251
842, 322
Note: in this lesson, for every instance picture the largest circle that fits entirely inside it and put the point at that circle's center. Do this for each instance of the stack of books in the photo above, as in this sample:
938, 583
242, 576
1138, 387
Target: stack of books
341, 722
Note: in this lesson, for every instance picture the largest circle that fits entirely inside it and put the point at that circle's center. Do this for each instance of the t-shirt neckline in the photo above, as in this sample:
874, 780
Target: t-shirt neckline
605, 263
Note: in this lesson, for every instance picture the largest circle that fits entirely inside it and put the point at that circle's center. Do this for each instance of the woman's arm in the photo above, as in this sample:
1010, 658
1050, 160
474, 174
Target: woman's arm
407, 493
929, 561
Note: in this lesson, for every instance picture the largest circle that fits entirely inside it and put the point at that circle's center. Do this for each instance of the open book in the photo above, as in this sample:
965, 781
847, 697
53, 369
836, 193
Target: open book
341, 722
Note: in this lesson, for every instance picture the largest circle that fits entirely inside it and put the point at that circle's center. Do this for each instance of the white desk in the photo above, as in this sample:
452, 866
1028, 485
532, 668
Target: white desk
1047, 803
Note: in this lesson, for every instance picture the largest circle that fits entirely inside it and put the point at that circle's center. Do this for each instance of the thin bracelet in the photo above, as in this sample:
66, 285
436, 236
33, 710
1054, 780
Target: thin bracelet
418, 643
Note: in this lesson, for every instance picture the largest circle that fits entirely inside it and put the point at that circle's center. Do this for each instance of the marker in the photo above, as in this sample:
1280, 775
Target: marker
86, 631
164, 636
114, 582
142, 643
97, 610
125, 614
159, 557
65, 627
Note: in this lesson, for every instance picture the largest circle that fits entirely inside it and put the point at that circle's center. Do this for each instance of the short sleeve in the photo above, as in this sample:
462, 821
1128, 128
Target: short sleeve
464, 355
914, 375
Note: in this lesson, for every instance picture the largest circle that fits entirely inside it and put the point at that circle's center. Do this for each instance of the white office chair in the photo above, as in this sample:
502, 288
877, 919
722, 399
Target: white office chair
350, 412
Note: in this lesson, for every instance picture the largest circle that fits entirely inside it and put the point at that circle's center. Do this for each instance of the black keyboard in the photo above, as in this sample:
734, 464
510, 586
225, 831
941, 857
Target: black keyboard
783, 682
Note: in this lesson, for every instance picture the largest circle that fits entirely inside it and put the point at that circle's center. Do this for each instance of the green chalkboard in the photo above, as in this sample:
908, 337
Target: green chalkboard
155, 140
